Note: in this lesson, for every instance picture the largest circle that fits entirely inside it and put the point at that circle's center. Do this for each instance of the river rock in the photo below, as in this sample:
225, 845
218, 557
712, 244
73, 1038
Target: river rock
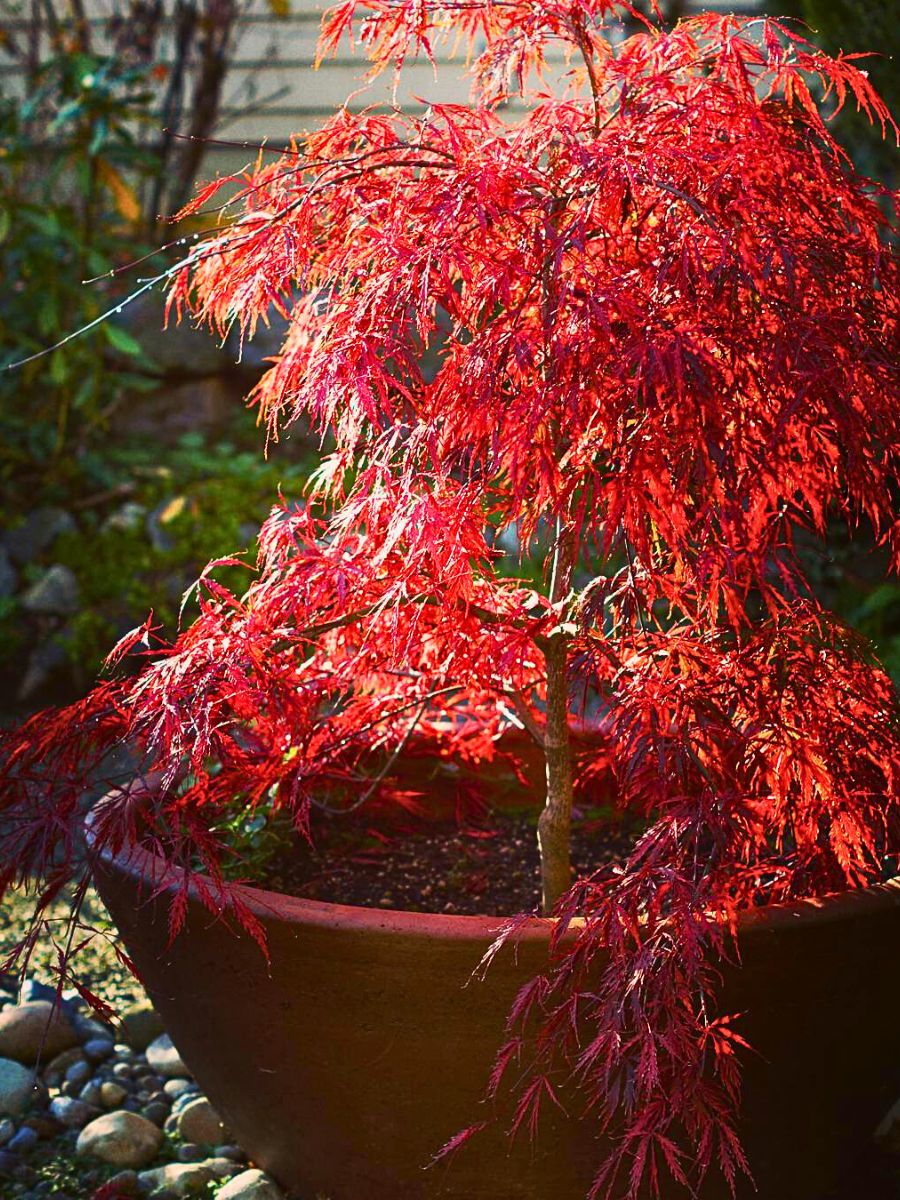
146, 1079
97, 1049
250, 1185
7, 1129
78, 1074
253, 354
122, 1139
124, 1183
141, 1024
71, 1112
37, 533
186, 1098
88, 1028
199, 1122
157, 1112
18, 1088
22, 1141
226, 1150
46, 662
888, 1132
43, 1124
91, 1093
8, 577
55, 1071
112, 1094
186, 1179
56, 593
165, 1059
23, 1027
125, 519
176, 1088
10, 1165
182, 349
34, 989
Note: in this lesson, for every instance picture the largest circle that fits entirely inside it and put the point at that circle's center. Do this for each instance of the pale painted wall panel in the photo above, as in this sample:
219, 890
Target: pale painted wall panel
272, 90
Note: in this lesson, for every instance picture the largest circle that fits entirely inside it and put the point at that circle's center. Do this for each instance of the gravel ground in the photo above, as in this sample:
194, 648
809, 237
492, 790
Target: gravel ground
97, 1111
96, 962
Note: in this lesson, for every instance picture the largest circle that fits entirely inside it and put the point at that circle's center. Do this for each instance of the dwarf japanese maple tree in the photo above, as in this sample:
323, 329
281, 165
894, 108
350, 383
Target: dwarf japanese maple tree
664, 312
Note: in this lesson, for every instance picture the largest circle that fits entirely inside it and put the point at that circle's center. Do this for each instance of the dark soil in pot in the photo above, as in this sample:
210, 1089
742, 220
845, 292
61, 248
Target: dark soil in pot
441, 867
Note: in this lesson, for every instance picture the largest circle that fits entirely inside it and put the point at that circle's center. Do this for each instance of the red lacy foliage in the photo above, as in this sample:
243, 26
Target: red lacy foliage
679, 338
770, 769
661, 316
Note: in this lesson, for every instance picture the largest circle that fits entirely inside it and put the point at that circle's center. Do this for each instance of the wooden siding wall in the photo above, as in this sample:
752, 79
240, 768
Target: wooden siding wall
272, 91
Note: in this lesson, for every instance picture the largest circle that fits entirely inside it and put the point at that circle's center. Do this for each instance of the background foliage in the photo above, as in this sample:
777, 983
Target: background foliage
90, 163
85, 171
863, 26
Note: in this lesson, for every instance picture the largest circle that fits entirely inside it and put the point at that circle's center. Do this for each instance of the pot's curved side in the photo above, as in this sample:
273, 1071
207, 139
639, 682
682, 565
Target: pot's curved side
346, 1063
348, 1060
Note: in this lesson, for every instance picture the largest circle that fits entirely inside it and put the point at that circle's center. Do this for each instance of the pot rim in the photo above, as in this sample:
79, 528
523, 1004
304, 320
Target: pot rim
143, 865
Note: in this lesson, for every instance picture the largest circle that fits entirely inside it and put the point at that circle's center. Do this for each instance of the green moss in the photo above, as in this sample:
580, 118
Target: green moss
202, 501
59, 1173
13, 641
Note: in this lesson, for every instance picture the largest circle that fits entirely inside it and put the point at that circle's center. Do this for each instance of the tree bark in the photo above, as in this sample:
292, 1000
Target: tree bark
555, 822
185, 19
217, 23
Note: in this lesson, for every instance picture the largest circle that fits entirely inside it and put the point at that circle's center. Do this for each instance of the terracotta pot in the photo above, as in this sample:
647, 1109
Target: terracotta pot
348, 1060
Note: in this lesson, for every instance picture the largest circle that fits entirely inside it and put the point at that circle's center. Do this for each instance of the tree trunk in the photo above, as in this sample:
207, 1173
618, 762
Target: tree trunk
217, 23
555, 822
